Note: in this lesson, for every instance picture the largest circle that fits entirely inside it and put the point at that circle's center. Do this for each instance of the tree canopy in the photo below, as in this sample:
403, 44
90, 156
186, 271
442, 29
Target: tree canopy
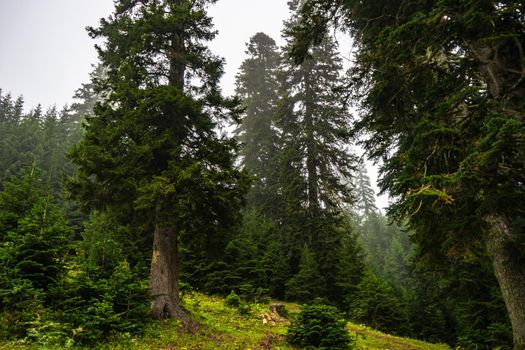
441, 90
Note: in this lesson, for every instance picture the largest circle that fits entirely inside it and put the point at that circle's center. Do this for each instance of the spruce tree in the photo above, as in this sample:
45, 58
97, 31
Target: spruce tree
314, 143
257, 86
34, 240
350, 268
151, 153
308, 283
365, 201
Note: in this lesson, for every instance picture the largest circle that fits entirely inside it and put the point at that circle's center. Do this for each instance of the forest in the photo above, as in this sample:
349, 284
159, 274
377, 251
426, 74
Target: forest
154, 189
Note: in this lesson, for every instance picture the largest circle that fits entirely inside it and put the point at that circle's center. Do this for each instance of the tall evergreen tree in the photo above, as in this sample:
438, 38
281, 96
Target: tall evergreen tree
314, 124
151, 152
443, 98
365, 201
257, 86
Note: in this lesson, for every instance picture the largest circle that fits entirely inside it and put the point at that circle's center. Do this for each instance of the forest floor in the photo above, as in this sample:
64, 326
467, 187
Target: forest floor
228, 328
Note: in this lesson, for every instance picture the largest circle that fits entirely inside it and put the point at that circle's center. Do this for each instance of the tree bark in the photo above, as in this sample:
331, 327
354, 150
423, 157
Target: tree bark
510, 273
164, 277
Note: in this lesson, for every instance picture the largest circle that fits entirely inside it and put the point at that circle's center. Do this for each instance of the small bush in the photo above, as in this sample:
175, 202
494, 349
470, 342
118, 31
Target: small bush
233, 300
320, 327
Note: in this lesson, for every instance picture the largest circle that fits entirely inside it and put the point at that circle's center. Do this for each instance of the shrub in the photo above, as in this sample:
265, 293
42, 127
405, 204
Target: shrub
320, 327
233, 300
99, 307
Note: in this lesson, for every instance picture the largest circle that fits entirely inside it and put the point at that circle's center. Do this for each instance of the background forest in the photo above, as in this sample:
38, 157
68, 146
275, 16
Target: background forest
263, 195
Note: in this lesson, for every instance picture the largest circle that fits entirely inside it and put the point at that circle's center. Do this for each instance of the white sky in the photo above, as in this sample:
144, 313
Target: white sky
46, 54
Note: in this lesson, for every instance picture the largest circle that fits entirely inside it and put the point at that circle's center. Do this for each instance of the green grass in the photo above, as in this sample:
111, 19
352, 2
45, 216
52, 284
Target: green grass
223, 327
371, 339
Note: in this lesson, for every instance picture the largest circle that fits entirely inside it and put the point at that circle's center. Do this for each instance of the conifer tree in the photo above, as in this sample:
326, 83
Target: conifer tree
350, 269
10, 117
365, 201
34, 239
257, 86
314, 123
308, 283
151, 153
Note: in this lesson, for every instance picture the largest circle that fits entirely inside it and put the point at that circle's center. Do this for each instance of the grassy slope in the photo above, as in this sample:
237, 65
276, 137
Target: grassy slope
224, 328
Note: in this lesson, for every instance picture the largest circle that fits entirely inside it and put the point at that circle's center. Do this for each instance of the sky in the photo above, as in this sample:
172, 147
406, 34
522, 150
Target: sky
46, 53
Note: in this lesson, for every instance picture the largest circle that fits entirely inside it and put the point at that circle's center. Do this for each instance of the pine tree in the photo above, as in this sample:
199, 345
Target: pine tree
34, 239
365, 201
10, 117
350, 269
257, 86
376, 304
308, 283
314, 156
151, 152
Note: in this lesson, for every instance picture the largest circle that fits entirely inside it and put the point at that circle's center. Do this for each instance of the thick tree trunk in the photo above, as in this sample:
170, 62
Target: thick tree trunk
164, 277
510, 272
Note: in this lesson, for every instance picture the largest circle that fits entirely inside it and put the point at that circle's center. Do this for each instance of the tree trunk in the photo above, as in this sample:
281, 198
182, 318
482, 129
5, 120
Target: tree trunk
510, 273
164, 277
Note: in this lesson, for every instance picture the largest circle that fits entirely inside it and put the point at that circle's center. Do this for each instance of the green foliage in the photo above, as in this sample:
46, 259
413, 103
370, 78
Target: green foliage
100, 294
257, 85
387, 248
442, 94
461, 304
98, 306
153, 154
242, 264
36, 139
350, 270
320, 327
33, 246
308, 283
377, 305
365, 203
233, 300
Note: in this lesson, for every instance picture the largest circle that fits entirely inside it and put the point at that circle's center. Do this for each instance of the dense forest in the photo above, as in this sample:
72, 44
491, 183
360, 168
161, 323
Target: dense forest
154, 184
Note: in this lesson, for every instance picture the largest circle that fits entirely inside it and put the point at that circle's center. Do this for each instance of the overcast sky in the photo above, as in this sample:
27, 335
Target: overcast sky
46, 54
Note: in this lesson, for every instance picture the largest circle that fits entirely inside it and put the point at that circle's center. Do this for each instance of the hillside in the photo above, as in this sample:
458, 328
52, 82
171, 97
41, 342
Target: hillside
224, 327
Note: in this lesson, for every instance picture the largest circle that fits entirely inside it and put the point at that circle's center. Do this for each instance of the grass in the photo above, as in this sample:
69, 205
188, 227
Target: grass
224, 327
371, 339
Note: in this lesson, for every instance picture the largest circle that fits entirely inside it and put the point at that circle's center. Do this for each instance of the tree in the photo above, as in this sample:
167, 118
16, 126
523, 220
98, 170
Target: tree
350, 267
33, 246
257, 86
365, 201
103, 290
313, 122
442, 91
376, 304
320, 327
308, 283
151, 154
